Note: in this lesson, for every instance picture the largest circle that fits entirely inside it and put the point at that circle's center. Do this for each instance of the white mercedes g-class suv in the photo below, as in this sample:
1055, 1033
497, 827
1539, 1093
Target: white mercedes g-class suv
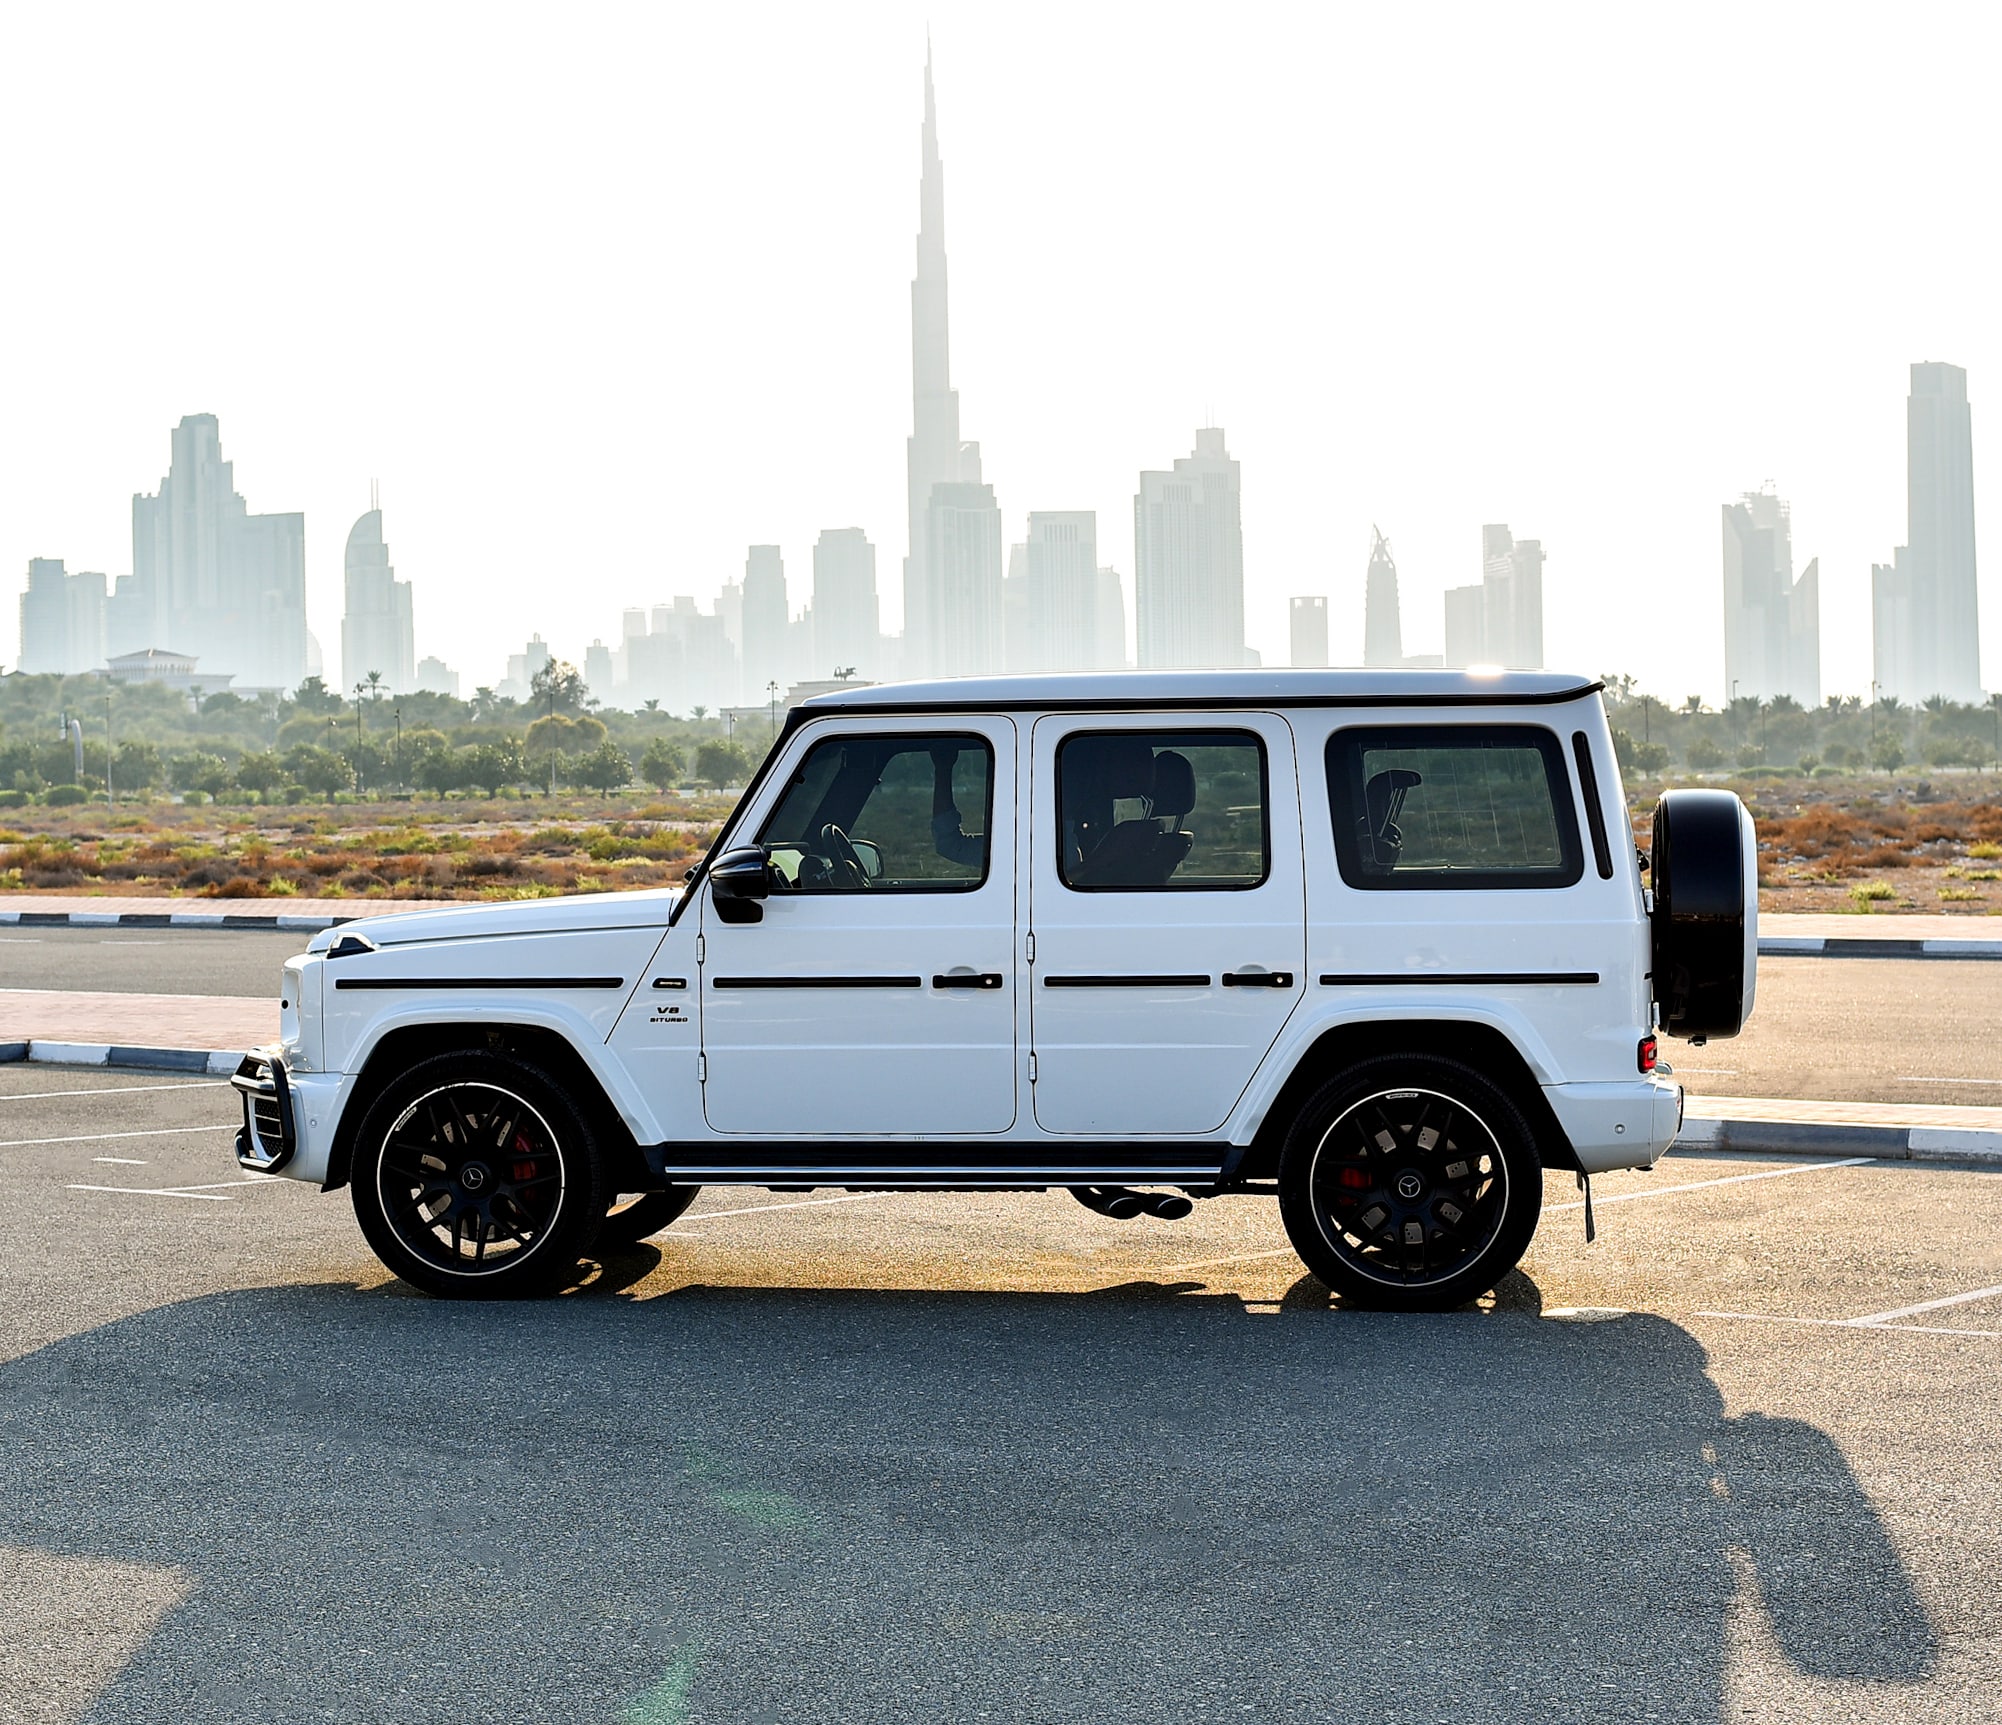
1378, 944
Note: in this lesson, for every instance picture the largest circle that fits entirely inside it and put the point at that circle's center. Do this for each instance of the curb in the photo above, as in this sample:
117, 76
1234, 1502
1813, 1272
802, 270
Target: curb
1802, 1138
169, 919
1848, 946
214, 1062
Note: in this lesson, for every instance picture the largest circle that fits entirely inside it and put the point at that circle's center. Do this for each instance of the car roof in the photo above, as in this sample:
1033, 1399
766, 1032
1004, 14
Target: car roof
1247, 688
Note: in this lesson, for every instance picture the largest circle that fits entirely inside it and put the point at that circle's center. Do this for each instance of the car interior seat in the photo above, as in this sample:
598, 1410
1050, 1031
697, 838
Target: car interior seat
1099, 773
1383, 800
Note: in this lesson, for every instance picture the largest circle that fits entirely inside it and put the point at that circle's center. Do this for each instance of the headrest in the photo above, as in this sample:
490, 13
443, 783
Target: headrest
1111, 767
1383, 796
1174, 784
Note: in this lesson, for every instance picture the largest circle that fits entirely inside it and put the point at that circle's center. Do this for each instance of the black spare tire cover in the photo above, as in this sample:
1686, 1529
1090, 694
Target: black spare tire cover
1706, 912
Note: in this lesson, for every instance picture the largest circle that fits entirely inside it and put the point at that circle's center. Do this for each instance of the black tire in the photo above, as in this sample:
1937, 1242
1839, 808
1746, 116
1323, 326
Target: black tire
1386, 1218
635, 1215
457, 1216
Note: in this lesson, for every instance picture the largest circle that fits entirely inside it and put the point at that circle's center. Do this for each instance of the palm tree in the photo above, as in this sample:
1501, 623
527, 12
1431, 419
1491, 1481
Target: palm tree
374, 682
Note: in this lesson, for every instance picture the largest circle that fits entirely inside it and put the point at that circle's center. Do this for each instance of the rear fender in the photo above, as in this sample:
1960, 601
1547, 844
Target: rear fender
1465, 1036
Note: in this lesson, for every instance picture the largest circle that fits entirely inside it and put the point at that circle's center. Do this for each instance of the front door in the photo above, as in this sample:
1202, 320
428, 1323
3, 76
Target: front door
875, 997
1168, 913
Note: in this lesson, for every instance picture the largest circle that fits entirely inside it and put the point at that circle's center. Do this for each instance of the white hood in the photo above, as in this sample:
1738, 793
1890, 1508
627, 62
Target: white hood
609, 910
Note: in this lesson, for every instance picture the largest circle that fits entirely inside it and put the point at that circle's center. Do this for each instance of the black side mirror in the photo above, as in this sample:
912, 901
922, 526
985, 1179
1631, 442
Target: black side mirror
737, 880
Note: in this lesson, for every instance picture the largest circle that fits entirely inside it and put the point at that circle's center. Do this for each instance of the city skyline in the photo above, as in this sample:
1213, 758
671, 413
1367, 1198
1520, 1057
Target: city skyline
1074, 378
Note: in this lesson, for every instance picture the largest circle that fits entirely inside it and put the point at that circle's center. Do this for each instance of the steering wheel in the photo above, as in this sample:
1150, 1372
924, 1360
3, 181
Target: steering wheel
838, 848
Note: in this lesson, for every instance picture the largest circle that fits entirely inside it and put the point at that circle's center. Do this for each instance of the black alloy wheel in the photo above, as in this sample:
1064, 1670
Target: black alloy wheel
1410, 1182
635, 1215
476, 1177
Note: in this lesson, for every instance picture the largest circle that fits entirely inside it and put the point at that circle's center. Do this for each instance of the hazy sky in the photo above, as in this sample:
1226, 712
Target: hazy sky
602, 295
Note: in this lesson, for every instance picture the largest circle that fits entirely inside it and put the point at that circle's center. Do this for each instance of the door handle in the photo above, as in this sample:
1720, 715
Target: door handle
967, 979
1258, 979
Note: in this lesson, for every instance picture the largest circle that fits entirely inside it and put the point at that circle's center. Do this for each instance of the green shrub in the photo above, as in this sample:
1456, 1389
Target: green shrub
14, 799
65, 796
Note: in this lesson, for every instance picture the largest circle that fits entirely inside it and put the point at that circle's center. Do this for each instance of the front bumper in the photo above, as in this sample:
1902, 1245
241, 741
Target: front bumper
269, 1135
288, 1116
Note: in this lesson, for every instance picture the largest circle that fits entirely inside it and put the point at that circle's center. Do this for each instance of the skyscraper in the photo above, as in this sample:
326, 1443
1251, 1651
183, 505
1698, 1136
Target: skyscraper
62, 620
1188, 555
935, 455
1500, 622
766, 615
1109, 653
1307, 629
210, 578
377, 631
1772, 623
963, 620
847, 623
1382, 627
1925, 615
1061, 565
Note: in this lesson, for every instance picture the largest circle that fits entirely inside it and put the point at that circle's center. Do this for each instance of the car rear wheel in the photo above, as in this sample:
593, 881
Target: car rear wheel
476, 1177
1410, 1182
635, 1215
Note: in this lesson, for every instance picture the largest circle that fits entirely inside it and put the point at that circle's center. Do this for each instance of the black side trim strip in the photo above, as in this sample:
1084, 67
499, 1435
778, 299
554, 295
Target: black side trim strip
818, 982
1447, 978
1258, 979
986, 979
1595, 817
1189, 981
480, 982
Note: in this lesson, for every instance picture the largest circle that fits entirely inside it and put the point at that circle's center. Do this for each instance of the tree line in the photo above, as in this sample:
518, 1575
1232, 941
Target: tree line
315, 743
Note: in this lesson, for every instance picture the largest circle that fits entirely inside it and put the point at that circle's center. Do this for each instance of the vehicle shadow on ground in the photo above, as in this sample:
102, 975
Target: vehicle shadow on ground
751, 1504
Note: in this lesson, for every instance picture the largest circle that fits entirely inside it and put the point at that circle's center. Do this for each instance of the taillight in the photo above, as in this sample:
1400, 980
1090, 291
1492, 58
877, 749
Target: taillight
1647, 1054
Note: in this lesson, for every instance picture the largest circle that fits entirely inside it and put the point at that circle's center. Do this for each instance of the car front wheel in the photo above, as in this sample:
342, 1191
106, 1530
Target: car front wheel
1410, 1182
476, 1177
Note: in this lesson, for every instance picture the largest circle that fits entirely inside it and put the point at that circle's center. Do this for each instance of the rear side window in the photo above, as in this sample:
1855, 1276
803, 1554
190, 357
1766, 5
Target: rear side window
1162, 811
1452, 806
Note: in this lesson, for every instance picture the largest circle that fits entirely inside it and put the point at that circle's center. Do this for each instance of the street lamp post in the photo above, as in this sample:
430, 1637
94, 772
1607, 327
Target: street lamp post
108, 801
772, 688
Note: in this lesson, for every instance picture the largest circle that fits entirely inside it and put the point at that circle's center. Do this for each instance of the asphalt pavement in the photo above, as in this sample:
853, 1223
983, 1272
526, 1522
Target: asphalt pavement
1860, 1030
239, 962
857, 1457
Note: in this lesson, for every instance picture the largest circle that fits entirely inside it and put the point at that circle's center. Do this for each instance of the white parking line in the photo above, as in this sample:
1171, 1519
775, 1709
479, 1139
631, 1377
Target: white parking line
207, 1192
125, 1161
1927, 1306
1699, 1185
803, 1204
1849, 1324
1234, 1258
121, 1090
104, 1137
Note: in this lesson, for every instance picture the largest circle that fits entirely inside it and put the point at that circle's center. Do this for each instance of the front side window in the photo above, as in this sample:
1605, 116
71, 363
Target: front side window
1142, 811
1443, 806
884, 814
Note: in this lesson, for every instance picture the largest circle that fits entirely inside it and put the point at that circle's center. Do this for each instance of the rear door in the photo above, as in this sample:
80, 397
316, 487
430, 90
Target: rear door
1168, 916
